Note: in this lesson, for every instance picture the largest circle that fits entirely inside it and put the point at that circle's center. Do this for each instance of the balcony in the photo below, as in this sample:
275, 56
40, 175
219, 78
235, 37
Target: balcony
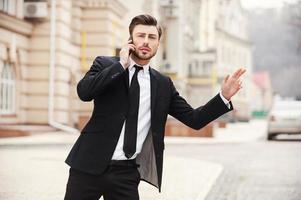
201, 65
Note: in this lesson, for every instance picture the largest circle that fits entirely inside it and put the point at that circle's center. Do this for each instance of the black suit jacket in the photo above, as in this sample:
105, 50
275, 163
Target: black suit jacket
107, 84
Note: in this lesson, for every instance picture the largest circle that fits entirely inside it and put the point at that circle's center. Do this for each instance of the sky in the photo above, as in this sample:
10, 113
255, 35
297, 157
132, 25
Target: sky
264, 3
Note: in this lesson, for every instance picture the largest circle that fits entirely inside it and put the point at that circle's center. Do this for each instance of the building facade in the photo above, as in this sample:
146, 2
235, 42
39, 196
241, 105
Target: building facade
224, 47
180, 21
206, 40
46, 46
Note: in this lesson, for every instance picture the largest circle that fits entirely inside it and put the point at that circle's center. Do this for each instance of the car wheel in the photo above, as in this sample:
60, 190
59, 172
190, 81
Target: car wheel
271, 136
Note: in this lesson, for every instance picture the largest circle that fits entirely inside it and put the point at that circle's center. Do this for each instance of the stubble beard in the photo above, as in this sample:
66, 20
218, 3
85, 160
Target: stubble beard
144, 57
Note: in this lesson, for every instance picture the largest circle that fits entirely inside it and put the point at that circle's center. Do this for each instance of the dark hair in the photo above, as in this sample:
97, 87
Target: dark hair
144, 20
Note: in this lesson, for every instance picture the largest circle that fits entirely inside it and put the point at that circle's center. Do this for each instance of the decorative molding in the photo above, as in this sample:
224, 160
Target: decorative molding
115, 5
15, 24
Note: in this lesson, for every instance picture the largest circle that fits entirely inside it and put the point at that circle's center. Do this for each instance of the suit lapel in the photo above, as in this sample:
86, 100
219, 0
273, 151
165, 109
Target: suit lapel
154, 85
126, 78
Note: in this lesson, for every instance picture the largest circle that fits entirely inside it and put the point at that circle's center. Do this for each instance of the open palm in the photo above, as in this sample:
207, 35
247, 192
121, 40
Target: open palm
232, 84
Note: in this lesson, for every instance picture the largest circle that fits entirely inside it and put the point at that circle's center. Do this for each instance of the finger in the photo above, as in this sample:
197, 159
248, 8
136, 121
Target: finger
237, 89
226, 78
239, 72
239, 85
242, 71
236, 73
132, 47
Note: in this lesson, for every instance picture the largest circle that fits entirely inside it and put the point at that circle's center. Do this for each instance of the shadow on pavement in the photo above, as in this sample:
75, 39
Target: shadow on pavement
286, 140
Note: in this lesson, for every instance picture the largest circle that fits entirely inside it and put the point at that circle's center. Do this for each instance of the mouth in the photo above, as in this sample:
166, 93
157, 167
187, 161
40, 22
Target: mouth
144, 49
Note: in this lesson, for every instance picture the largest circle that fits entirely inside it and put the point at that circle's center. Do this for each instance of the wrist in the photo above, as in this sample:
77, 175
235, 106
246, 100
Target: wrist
227, 97
123, 64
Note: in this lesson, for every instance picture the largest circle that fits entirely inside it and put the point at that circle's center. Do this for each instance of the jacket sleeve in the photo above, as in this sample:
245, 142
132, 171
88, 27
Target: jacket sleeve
97, 78
199, 117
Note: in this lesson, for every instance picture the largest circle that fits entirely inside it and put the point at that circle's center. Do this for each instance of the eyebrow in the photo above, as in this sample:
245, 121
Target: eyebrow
151, 34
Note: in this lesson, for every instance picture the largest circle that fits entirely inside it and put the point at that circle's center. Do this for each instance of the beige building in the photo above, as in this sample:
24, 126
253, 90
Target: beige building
180, 21
224, 46
45, 47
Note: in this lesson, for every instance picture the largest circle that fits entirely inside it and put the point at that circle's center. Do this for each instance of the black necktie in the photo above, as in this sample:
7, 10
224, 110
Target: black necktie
130, 134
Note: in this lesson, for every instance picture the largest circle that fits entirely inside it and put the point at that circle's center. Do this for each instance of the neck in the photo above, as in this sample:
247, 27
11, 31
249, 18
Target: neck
139, 61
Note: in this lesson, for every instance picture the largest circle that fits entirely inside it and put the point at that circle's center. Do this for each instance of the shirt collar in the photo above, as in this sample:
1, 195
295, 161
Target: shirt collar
145, 67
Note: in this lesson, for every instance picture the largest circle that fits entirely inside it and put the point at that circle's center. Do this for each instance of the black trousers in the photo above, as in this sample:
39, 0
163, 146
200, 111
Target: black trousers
119, 182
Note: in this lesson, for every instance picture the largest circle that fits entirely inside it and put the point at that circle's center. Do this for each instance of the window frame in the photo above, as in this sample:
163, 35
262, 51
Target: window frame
7, 90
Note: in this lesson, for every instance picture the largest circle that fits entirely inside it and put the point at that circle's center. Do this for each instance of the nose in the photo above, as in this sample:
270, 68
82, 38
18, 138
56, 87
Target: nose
145, 41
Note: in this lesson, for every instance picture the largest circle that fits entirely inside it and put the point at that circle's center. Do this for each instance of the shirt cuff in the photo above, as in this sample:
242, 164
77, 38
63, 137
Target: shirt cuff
225, 100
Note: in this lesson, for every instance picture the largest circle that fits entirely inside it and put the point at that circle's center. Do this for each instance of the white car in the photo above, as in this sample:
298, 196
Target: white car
284, 118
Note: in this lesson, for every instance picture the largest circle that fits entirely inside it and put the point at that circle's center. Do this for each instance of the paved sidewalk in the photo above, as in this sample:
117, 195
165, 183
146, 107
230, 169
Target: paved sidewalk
33, 167
234, 133
40, 172
243, 132
183, 178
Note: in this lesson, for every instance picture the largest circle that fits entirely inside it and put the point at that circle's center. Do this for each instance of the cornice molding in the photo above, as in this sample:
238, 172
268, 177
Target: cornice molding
15, 24
115, 5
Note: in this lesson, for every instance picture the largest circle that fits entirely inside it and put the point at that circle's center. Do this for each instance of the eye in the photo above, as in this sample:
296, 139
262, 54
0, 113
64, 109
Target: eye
153, 37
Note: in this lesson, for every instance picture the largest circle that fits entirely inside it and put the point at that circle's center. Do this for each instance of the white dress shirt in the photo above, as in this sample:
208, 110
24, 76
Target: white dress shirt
144, 113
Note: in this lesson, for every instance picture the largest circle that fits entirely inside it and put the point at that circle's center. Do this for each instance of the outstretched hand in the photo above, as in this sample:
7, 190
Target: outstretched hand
232, 84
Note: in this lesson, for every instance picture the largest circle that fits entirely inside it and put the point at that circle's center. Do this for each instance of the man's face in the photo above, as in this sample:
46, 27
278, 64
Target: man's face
146, 40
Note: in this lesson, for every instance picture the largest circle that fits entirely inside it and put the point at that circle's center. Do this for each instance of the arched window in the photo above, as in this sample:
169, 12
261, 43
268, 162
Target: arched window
7, 90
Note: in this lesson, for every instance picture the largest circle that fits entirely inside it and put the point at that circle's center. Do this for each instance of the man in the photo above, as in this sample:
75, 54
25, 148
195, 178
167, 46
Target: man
123, 141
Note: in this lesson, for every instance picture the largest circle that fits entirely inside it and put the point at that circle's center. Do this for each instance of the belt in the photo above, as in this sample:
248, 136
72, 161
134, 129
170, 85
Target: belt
131, 162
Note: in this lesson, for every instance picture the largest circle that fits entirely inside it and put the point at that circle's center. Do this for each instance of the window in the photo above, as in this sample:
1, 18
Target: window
207, 66
4, 5
10, 6
7, 90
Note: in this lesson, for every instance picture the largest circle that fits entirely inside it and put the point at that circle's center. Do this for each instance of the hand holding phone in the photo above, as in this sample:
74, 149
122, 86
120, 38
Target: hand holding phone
125, 53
